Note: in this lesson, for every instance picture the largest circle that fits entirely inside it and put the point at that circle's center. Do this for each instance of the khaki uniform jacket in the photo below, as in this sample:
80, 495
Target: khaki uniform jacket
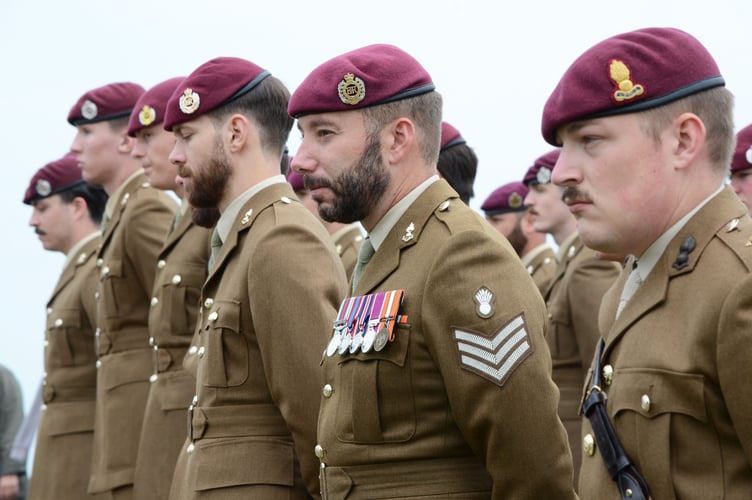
127, 263
347, 243
461, 404
680, 352
181, 272
543, 269
573, 300
62, 457
267, 310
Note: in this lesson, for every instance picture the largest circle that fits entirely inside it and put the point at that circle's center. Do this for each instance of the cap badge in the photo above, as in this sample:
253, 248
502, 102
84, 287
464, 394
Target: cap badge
483, 298
515, 200
147, 115
748, 155
408, 233
351, 89
543, 176
43, 187
88, 110
620, 74
189, 101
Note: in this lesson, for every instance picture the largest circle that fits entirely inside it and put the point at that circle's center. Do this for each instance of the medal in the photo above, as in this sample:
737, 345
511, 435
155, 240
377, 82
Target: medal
374, 320
352, 319
381, 339
360, 325
339, 326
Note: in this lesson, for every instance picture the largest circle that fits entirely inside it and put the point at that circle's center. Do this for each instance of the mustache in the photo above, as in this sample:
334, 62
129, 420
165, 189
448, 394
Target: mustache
571, 194
39, 232
310, 182
183, 171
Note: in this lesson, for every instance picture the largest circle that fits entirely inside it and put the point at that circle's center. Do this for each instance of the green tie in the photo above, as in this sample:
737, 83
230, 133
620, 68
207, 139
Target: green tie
216, 246
364, 256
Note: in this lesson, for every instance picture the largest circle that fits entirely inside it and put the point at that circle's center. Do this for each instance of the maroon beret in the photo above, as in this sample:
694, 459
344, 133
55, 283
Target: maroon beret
211, 85
371, 75
630, 72
507, 198
540, 172
450, 136
109, 102
742, 159
150, 108
55, 177
295, 179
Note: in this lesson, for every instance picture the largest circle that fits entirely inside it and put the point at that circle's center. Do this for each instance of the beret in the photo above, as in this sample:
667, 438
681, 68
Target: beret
55, 177
108, 102
368, 76
296, 180
450, 136
150, 108
630, 72
742, 159
507, 198
540, 171
214, 83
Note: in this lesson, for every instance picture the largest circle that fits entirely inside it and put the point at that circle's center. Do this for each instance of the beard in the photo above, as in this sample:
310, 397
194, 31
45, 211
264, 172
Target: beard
357, 189
517, 239
209, 183
205, 217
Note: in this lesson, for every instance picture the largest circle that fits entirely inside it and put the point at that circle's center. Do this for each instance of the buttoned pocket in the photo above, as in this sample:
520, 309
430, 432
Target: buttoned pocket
379, 403
226, 347
62, 326
180, 289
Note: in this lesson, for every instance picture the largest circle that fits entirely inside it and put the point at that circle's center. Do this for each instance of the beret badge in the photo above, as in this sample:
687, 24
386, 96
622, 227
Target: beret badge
147, 115
89, 110
189, 101
351, 89
748, 155
544, 175
43, 187
627, 89
515, 200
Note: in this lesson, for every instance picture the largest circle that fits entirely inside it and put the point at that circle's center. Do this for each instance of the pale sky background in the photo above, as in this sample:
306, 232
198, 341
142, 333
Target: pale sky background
495, 63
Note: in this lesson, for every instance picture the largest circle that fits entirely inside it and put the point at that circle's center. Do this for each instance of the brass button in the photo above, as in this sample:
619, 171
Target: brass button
154, 301
176, 279
100, 262
201, 351
208, 302
588, 445
190, 448
58, 322
645, 402
213, 316
49, 311
628, 492
153, 378
99, 363
608, 374
320, 452
192, 350
96, 295
105, 270
328, 391
161, 263
151, 341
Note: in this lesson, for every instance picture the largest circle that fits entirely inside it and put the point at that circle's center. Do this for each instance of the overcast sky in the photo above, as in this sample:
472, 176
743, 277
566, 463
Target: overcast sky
495, 63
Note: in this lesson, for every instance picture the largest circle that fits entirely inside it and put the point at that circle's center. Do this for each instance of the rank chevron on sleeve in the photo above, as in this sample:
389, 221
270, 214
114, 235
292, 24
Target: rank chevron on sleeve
495, 357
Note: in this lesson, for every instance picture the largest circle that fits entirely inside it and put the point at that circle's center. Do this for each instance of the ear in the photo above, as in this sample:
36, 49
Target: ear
690, 139
400, 139
79, 207
238, 130
126, 143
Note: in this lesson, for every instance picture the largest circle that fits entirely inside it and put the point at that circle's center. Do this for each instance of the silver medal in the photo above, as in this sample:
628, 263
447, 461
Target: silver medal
344, 343
381, 339
370, 335
357, 340
331, 348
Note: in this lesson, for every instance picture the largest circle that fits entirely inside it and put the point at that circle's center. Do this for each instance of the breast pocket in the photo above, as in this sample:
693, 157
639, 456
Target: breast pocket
226, 348
113, 289
62, 326
379, 406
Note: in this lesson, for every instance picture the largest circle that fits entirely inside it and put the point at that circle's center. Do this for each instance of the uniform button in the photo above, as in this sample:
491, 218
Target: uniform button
44, 407
49, 311
608, 374
46, 343
100, 262
194, 401
208, 302
213, 316
99, 363
550, 316
645, 402
285, 199
328, 390
105, 270
319, 451
96, 295
588, 445
58, 322
176, 279
151, 341
192, 350
154, 301
190, 448
201, 351
153, 378
97, 332
161, 264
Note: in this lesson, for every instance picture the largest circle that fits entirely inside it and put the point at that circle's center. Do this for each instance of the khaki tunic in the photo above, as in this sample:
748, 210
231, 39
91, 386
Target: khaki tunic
62, 457
127, 261
267, 310
433, 415
542, 268
680, 350
573, 300
181, 272
347, 242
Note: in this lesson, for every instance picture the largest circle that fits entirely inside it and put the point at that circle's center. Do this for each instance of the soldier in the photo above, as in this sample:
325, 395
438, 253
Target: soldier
506, 211
646, 130
181, 271
12, 472
347, 238
443, 337
573, 297
274, 284
458, 163
741, 166
66, 217
136, 220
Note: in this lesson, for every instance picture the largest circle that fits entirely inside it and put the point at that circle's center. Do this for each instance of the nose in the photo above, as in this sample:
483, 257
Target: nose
564, 172
76, 145
177, 155
302, 162
139, 149
529, 200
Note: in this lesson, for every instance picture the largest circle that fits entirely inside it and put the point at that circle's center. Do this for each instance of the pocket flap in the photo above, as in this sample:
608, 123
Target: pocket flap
652, 392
